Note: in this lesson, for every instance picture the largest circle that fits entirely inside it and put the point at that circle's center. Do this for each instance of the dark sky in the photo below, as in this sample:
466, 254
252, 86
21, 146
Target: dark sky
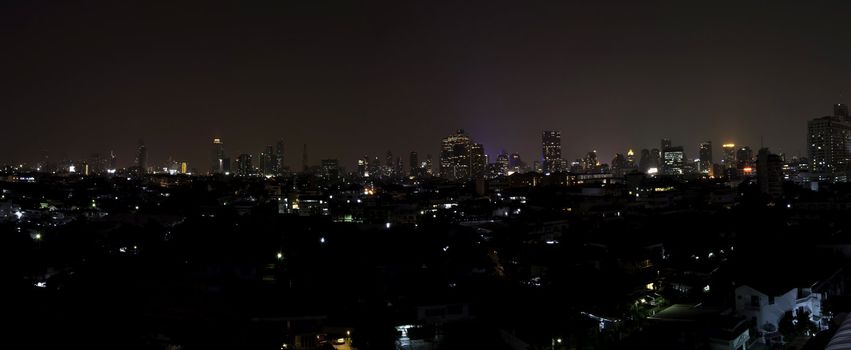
353, 77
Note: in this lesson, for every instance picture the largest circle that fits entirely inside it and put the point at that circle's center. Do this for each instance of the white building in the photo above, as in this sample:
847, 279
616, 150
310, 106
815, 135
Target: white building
766, 309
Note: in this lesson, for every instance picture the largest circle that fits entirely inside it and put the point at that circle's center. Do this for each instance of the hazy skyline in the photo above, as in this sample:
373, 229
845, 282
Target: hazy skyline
350, 79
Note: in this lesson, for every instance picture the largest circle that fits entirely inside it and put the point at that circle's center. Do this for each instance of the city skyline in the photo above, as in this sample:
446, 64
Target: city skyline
349, 80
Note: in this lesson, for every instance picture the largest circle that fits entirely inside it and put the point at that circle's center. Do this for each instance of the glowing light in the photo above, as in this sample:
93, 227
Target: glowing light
72, 169
387, 225
19, 214
280, 256
651, 171
322, 240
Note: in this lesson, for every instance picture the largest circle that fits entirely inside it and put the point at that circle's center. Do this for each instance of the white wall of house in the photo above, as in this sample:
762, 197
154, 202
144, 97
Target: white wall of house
753, 303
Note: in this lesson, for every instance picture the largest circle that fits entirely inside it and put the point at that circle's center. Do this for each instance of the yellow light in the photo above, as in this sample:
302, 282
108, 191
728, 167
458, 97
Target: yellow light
728, 145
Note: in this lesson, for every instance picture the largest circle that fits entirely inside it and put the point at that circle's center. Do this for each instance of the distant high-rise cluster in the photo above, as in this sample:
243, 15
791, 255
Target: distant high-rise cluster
461, 158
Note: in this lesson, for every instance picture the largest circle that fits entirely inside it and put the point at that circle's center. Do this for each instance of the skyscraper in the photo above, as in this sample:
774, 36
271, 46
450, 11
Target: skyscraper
331, 169
414, 164
142, 157
267, 161
455, 156
217, 157
674, 161
729, 160
279, 157
769, 172
551, 150
515, 163
705, 157
829, 145
478, 160
244, 166
502, 163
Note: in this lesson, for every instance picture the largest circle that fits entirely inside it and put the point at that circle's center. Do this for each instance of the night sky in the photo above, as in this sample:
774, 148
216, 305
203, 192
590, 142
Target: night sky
351, 77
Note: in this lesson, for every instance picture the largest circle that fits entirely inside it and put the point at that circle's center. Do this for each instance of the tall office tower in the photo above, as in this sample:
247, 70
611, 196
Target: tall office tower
645, 162
279, 157
363, 166
478, 160
217, 157
551, 150
769, 172
429, 168
630, 159
515, 163
414, 164
244, 166
388, 164
142, 157
841, 110
503, 163
705, 157
744, 158
619, 165
331, 169
304, 164
666, 143
269, 167
674, 162
375, 167
729, 161
113, 162
829, 146
656, 159
589, 163
455, 156
400, 167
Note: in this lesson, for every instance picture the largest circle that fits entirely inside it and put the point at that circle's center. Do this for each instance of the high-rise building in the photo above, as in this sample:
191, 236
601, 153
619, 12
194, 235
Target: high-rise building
769, 172
142, 157
455, 156
674, 161
427, 165
645, 162
279, 157
478, 160
363, 166
744, 159
829, 145
705, 158
515, 163
840, 110
244, 166
590, 163
630, 159
551, 150
267, 161
502, 163
388, 164
414, 164
217, 157
729, 161
331, 169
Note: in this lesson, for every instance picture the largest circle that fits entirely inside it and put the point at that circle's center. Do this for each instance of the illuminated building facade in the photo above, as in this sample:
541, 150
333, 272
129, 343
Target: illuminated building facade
705, 158
829, 145
217, 158
674, 161
455, 156
551, 150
